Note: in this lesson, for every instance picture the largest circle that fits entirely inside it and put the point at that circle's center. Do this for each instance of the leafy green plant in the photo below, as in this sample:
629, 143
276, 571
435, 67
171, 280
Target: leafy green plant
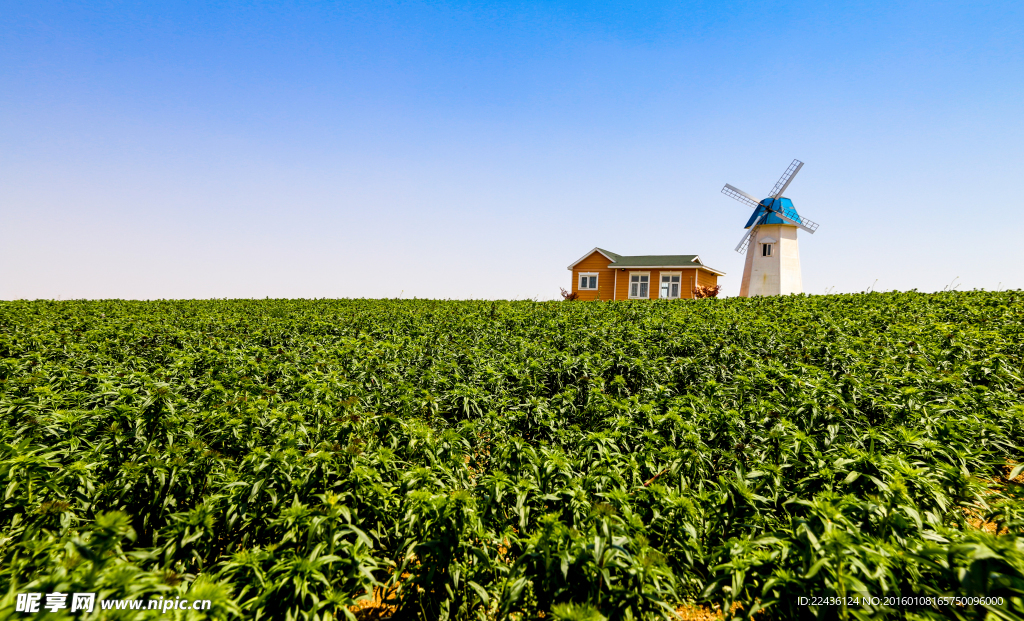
319, 459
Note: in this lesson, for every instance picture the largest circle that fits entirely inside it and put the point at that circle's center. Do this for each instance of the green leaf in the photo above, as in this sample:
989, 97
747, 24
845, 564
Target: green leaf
480, 592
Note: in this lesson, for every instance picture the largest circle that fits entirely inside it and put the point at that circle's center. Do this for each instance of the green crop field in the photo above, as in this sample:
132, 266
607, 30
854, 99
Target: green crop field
494, 460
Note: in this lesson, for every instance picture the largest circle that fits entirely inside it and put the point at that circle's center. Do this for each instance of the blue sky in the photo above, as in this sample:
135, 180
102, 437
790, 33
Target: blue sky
474, 150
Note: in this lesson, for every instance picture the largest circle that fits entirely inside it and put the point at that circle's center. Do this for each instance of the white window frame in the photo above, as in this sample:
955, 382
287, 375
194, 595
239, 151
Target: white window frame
669, 297
629, 286
768, 246
582, 275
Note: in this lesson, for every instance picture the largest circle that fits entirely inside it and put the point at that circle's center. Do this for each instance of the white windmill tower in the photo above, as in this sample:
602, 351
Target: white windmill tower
773, 256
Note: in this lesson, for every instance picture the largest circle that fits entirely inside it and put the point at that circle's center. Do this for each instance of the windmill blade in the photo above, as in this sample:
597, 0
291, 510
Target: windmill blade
787, 178
740, 195
807, 225
742, 246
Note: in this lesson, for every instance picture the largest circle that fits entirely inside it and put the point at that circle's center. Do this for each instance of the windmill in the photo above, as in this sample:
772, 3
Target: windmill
773, 256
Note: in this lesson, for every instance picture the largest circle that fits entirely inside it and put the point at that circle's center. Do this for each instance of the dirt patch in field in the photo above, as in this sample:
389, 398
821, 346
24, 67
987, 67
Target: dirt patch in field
1001, 484
978, 523
1007, 471
698, 613
376, 609
382, 606
693, 612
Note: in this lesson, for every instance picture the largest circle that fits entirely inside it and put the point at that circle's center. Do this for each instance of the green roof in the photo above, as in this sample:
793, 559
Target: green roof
650, 260
657, 260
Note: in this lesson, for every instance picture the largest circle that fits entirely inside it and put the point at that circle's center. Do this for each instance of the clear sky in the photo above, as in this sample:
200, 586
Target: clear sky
475, 149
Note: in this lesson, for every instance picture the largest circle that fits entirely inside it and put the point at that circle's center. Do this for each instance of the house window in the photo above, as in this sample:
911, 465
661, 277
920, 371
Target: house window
638, 286
588, 281
670, 284
766, 250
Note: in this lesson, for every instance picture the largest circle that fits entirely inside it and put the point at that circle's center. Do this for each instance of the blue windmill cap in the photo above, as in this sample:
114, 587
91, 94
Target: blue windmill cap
775, 204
